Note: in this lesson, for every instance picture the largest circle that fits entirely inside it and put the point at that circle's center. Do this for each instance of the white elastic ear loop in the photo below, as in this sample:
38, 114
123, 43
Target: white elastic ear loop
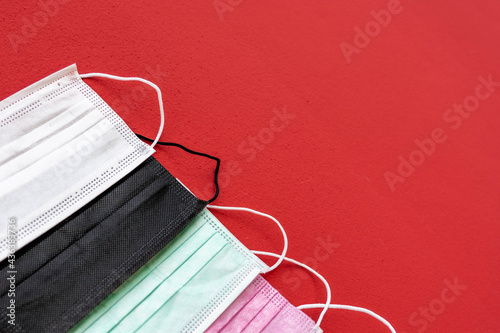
327, 286
285, 238
121, 78
351, 308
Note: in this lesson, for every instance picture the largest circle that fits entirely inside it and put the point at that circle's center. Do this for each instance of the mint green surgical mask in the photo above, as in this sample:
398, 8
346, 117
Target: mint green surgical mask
184, 288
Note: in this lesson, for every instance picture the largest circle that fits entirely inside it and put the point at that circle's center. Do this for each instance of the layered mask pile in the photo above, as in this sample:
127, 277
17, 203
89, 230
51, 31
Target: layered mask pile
97, 236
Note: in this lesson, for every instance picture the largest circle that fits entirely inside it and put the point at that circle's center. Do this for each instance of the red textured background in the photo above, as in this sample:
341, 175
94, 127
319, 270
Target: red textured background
322, 176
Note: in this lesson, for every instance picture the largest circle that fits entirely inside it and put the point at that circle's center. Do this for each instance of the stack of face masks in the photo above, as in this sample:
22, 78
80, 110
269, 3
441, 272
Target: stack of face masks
97, 236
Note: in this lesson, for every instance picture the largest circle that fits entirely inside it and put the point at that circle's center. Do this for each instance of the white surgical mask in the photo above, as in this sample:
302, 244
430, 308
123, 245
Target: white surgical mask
61, 146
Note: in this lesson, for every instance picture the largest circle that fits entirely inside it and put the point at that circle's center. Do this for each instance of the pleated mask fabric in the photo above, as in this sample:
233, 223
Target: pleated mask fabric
61, 146
66, 272
262, 309
184, 288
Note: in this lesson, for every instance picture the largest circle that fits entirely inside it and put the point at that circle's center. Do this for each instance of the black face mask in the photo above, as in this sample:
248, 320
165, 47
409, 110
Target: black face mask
64, 274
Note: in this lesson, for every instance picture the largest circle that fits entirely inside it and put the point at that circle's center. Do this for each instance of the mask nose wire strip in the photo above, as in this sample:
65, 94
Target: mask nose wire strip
350, 308
285, 238
158, 91
216, 174
327, 286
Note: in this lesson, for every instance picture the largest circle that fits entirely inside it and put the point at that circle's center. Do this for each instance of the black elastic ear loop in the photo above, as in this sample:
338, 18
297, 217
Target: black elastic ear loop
216, 176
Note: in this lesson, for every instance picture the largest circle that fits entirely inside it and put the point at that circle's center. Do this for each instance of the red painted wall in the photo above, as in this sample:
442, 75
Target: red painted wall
366, 86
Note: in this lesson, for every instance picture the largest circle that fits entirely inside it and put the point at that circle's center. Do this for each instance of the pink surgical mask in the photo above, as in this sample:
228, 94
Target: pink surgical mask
261, 308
